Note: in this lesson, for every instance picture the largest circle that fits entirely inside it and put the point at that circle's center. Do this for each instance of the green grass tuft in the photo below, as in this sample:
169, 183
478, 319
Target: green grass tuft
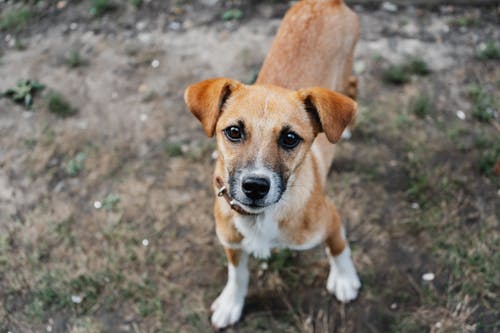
76, 164
490, 52
15, 19
75, 60
136, 3
232, 14
101, 7
173, 149
396, 75
58, 105
23, 92
482, 103
418, 67
111, 202
421, 105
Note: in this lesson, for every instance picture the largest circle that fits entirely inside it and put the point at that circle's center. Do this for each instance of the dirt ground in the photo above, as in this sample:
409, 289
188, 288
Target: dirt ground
106, 216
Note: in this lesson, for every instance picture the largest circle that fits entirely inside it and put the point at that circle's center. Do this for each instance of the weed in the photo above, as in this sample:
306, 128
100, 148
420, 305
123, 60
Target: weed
75, 165
15, 19
58, 105
400, 74
482, 103
418, 67
489, 160
23, 92
19, 44
490, 52
396, 75
232, 14
30, 143
100, 7
74, 60
173, 149
464, 21
136, 3
421, 105
110, 202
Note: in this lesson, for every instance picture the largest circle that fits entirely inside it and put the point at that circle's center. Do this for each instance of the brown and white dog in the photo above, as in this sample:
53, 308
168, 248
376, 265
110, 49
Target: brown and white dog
275, 148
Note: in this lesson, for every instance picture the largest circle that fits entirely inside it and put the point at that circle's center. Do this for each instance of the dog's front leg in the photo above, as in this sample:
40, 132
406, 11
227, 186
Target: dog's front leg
228, 306
343, 281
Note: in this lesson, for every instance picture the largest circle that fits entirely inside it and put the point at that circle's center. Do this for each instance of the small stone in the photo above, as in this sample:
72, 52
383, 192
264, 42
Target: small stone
49, 328
73, 26
155, 63
143, 117
76, 299
359, 67
61, 4
393, 163
415, 205
145, 242
264, 266
97, 204
114, 95
428, 276
174, 26
389, 7
461, 114
394, 306
140, 25
438, 324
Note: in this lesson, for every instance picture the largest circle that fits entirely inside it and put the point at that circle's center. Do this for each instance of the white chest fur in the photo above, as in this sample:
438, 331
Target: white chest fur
260, 234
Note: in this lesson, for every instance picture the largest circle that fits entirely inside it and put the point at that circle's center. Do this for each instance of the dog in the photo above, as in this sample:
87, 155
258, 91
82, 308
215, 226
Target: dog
274, 141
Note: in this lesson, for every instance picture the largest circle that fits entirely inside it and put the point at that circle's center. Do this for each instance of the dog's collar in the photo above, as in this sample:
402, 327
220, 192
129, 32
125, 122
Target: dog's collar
223, 192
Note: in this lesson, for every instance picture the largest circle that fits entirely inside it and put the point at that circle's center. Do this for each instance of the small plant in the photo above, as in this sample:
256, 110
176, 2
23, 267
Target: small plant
421, 105
75, 165
490, 52
136, 3
58, 105
75, 60
418, 67
482, 103
397, 75
464, 21
23, 92
232, 14
110, 202
173, 149
15, 19
489, 161
100, 7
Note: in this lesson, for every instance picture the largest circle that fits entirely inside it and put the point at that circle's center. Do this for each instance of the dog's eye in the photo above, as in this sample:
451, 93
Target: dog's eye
234, 133
289, 140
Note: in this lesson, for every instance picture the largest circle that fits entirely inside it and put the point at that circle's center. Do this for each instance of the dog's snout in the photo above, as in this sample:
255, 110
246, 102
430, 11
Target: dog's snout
255, 187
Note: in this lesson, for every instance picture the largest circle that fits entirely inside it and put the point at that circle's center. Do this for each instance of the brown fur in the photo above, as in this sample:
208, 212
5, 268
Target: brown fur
313, 48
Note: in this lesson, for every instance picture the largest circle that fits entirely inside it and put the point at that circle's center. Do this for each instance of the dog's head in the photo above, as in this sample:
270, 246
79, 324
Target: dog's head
264, 132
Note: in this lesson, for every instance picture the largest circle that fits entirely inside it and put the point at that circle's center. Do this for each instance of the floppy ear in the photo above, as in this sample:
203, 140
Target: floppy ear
205, 100
332, 111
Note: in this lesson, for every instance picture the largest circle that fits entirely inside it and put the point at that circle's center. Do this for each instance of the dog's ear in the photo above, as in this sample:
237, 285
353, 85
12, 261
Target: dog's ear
331, 111
205, 100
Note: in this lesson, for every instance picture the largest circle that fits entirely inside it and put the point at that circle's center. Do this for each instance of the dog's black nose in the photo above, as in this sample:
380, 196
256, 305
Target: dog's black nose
255, 187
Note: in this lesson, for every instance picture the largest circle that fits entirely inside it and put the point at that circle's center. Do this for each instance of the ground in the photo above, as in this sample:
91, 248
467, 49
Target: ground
106, 215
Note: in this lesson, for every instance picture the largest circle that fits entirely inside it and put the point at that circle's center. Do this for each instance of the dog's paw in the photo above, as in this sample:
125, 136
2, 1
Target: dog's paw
344, 286
227, 308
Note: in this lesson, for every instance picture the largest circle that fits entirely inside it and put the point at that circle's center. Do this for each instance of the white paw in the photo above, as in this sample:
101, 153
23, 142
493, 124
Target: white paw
227, 307
344, 286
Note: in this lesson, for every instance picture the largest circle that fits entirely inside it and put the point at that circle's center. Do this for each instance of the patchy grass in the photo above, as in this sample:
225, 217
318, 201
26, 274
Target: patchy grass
75, 60
173, 149
232, 14
59, 106
136, 3
466, 21
490, 52
489, 159
75, 165
482, 103
396, 75
401, 74
24, 92
101, 7
110, 202
421, 105
15, 19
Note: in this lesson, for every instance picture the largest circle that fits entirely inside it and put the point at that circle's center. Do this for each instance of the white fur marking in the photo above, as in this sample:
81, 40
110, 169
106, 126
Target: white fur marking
343, 281
228, 306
